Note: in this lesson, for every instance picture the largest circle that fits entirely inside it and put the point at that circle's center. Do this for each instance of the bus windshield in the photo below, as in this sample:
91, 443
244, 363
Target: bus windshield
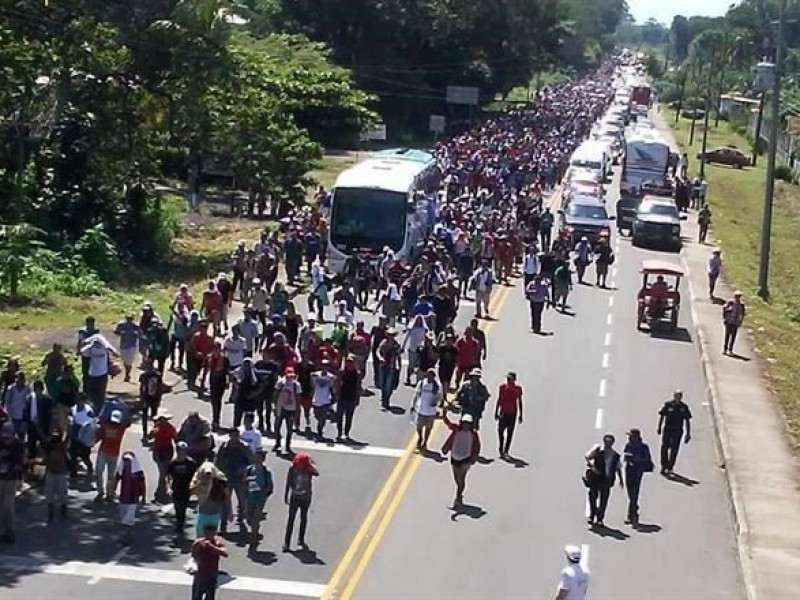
368, 219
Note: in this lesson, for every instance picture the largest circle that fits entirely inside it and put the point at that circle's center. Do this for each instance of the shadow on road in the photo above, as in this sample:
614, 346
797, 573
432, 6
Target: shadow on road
681, 334
682, 480
517, 463
470, 510
647, 527
609, 532
89, 533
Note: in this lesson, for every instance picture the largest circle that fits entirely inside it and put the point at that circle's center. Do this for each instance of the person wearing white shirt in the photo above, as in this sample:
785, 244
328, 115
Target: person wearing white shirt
235, 347
288, 391
427, 397
415, 336
98, 350
249, 435
482, 282
248, 328
530, 264
322, 398
259, 300
574, 579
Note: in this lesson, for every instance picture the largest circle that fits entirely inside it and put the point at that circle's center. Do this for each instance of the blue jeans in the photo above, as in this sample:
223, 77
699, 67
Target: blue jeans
388, 382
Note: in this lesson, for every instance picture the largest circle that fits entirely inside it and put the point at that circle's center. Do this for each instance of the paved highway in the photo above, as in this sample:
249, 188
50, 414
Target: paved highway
382, 525
594, 373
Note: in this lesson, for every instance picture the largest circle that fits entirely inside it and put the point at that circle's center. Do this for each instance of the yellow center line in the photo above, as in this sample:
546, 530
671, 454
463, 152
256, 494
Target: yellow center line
359, 568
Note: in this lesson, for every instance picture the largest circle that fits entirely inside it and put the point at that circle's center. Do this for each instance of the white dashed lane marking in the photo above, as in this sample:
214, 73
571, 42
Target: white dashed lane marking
598, 419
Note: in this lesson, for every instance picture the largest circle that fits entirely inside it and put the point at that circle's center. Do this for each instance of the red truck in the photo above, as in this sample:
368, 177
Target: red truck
640, 94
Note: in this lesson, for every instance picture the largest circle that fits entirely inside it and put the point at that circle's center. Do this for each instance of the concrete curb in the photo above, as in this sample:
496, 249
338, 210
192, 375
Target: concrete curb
736, 508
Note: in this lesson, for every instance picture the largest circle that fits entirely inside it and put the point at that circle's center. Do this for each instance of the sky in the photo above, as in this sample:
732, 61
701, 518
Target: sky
664, 10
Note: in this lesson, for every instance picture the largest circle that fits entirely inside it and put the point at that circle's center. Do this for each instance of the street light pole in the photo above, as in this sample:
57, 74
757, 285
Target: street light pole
769, 187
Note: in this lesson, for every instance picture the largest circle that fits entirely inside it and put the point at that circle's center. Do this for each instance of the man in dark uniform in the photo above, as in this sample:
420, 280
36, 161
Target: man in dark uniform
673, 416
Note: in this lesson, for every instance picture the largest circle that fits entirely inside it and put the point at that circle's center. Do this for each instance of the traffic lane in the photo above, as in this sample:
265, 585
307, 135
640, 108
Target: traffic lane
686, 527
343, 491
43, 586
508, 541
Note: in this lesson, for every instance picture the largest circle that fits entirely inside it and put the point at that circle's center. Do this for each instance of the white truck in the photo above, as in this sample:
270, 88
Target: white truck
647, 156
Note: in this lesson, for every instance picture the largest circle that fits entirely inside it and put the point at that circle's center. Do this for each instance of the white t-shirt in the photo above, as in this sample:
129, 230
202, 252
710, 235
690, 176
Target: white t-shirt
323, 389
98, 360
575, 580
234, 350
259, 299
251, 437
428, 398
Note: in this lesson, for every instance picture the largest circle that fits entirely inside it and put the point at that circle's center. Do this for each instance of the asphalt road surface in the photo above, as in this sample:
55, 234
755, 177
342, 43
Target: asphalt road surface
382, 526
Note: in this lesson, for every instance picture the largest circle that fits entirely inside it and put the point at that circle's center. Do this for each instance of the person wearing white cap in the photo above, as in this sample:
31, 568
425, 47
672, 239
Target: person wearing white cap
110, 437
472, 396
129, 477
574, 580
464, 446
732, 316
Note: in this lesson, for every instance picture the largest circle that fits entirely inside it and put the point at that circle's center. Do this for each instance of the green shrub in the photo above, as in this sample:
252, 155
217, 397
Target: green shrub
784, 173
50, 272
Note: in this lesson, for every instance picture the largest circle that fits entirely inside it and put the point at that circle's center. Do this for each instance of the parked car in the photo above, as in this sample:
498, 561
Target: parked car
627, 207
658, 222
585, 217
726, 155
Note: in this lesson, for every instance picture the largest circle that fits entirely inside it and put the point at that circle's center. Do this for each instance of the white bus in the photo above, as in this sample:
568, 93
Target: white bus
389, 200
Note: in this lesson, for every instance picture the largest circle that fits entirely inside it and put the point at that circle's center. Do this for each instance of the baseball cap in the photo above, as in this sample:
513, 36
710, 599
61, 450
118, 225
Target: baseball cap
116, 416
467, 418
573, 552
182, 446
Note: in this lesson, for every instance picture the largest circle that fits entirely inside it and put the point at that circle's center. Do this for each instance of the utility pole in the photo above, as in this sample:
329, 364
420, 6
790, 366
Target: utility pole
759, 122
769, 187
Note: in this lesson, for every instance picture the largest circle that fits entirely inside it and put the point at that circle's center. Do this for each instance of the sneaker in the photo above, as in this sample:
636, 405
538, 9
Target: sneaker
285, 548
99, 497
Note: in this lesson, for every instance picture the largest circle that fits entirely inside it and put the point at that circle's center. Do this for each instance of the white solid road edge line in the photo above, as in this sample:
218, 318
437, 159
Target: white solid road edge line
585, 556
598, 419
99, 571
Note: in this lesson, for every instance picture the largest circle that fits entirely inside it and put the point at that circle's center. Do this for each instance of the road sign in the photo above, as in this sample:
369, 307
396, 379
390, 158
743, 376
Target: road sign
376, 134
793, 125
462, 95
437, 123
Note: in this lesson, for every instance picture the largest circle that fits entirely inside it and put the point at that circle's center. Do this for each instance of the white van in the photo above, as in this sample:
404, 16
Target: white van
594, 155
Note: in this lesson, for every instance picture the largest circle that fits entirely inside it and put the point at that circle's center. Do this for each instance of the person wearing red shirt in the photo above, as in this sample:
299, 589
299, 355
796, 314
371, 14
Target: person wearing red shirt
110, 437
164, 436
206, 552
200, 346
468, 349
212, 306
508, 412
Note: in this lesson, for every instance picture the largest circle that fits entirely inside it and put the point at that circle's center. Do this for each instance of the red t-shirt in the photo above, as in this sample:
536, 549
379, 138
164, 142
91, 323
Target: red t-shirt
163, 435
468, 351
110, 436
507, 398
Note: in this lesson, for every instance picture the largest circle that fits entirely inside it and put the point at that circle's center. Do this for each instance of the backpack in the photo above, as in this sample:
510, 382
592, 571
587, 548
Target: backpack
252, 482
301, 485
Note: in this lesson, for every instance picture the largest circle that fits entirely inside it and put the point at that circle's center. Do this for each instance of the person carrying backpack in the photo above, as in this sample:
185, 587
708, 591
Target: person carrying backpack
297, 495
260, 486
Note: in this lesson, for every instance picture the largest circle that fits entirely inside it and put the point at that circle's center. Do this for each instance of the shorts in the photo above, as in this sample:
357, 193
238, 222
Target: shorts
127, 514
425, 420
128, 355
204, 519
254, 511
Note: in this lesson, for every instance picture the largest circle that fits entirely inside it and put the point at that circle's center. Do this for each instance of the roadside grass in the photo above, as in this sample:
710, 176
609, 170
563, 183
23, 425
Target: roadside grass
331, 165
736, 200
